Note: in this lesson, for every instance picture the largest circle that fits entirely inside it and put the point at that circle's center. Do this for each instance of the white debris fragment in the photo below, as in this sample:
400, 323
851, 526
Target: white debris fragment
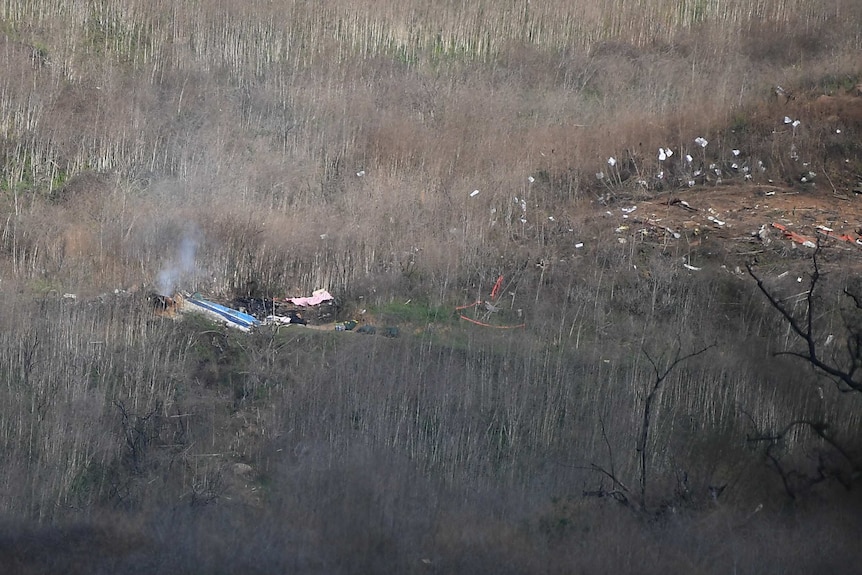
796, 123
787, 119
612, 161
579, 245
688, 158
692, 268
474, 193
628, 210
702, 142
360, 173
531, 179
735, 152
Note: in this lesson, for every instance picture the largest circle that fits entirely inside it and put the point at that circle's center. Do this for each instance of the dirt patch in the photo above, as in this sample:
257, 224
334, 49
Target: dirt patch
739, 213
794, 179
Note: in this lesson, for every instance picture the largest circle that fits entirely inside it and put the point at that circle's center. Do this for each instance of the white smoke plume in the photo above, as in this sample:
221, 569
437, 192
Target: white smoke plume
181, 265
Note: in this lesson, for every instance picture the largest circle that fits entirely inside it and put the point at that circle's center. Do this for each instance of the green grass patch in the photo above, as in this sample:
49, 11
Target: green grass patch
414, 313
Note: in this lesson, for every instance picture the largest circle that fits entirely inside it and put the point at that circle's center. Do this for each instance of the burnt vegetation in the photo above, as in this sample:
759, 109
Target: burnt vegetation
629, 400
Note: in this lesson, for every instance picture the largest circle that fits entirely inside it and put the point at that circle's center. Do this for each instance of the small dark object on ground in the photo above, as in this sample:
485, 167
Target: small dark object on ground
296, 317
263, 307
162, 304
385, 331
258, 307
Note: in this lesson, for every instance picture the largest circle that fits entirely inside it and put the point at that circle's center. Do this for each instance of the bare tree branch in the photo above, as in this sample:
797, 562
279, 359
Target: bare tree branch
856, 299
660, 376
804, 329
793, 480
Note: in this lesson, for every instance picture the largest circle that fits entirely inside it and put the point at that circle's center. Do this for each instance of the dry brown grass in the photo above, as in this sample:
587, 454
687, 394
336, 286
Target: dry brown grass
337, 146
254, 107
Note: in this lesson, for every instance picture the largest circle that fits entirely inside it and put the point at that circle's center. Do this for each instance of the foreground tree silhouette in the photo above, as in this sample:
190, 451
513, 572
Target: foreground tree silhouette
842, 364
844, 369
662, 367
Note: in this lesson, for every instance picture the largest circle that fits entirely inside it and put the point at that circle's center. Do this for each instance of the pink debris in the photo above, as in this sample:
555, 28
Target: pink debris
317, 297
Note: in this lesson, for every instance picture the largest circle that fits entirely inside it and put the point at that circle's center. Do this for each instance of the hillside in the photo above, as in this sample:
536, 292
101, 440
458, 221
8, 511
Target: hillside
630, 170
729, 202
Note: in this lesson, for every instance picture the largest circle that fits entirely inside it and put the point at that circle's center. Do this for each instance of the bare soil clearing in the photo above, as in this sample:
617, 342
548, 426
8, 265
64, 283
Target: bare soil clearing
737, 213
744, 217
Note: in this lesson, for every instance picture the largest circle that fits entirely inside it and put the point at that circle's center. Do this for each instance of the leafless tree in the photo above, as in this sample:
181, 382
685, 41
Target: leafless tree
842, 364
844, 367
662, 368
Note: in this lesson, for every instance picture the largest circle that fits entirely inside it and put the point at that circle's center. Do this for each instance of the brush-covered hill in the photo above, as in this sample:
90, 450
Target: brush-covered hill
618, 164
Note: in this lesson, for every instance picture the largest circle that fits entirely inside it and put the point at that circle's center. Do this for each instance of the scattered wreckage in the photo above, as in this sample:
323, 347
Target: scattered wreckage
248, 313
319, 308
672, 219
483, 311
318, 311
173, 306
